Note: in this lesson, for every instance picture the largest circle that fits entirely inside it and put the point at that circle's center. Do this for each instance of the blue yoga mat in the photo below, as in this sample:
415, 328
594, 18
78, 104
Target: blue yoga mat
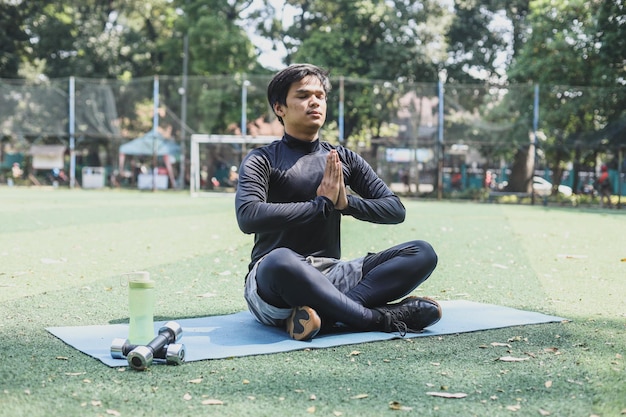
218, 337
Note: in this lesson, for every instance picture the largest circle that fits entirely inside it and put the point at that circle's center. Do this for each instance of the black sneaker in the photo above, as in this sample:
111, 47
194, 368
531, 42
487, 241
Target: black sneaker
412, 314
303, 323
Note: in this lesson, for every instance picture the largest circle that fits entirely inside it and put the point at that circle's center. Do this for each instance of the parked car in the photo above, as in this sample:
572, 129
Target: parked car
543, 187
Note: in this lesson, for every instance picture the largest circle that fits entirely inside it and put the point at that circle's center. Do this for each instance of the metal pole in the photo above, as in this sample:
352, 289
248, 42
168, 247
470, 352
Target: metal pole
183, 114
155, 126
244, 107
535, 128
72, 127
341, 110
620, 165
440, 141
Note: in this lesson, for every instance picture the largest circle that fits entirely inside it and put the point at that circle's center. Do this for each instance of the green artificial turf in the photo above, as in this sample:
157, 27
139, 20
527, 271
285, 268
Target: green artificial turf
62, 253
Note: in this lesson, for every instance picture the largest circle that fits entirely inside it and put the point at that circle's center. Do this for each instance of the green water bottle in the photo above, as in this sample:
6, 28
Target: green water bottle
141, 308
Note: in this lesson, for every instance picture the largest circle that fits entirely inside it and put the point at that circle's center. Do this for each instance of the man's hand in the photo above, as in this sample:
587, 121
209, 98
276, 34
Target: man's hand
332, 186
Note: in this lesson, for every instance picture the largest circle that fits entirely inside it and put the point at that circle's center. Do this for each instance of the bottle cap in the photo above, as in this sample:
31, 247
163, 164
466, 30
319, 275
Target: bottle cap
140, 279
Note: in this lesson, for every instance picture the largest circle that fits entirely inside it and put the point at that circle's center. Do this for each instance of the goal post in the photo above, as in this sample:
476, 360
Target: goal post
194, 152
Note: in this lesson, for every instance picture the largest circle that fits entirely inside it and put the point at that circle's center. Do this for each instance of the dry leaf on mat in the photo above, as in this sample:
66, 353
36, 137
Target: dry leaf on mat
212, 401
447, 394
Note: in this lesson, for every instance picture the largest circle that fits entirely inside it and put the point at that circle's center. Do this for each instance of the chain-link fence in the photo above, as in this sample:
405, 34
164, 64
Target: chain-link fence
422, 138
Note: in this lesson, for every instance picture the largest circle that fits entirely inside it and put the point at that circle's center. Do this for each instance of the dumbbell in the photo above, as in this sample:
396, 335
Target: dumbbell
173, 354
141, 356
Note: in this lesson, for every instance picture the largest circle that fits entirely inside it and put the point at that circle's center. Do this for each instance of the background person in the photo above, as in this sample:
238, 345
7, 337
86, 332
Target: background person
604, 186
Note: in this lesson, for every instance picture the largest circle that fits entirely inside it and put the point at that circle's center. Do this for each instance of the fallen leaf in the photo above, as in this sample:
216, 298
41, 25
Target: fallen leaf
447, 394
544, 412
354, 353
195, 381
395, 405
113, 412
245, 381
206, 295
337, 413
359, 396
514, 407
512, 359
96, 403
311, 410
497, 344
53, 261
187, 396
75, 373
212, 401
62, 358
548, 384
312, 397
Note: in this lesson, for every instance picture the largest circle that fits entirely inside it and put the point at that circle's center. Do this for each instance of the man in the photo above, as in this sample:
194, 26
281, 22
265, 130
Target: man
292, 194
604, 186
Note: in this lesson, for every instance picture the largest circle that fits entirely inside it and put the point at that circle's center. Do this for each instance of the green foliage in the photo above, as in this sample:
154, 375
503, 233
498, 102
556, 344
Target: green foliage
395, 45
13, 36
568, 46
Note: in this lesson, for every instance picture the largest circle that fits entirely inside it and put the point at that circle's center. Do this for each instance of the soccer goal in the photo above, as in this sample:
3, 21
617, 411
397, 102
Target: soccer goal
200, 148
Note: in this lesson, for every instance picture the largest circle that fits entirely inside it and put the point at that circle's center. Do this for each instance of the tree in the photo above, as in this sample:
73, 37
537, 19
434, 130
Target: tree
568, 46
388, 42
14, 36
99, 39
483, 38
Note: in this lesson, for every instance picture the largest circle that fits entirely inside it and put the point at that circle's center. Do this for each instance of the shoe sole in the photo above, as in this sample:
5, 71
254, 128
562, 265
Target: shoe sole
303, 323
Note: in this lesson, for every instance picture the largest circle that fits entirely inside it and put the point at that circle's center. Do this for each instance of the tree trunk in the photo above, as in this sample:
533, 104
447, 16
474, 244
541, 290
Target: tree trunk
522, 170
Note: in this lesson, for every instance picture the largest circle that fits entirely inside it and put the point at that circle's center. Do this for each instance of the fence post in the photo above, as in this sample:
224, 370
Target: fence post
72, 131
244, 106
442, 80
183, 113
155, 129
535, 128
341, 110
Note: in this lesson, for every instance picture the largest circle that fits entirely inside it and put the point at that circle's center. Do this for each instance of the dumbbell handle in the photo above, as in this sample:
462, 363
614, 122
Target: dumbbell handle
161, 340
120, 348
141, 357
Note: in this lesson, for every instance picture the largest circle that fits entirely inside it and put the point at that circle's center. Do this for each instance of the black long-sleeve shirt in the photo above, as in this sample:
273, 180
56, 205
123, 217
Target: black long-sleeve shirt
277, 198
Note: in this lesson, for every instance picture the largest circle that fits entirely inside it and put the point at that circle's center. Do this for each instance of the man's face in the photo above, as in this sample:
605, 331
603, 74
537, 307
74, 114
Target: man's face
305, 112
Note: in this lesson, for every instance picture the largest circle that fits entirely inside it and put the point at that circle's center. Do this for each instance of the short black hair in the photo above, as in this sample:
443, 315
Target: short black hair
278, 87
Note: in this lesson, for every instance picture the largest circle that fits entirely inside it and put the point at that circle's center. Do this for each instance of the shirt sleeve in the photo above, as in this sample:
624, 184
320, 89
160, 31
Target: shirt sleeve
375, 202
256, 215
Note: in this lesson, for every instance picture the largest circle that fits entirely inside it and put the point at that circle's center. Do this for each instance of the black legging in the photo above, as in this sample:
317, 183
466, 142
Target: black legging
285, 279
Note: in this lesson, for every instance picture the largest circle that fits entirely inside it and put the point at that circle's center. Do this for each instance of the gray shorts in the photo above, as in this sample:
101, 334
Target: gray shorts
344, 275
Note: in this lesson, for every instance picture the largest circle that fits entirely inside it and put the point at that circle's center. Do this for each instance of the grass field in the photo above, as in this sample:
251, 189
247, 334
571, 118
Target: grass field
62, 253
